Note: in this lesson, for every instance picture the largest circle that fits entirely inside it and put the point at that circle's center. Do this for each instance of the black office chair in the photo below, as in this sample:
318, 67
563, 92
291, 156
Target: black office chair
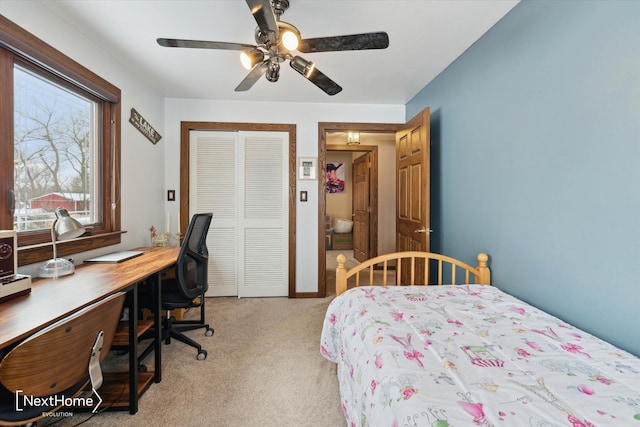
61, 360
187, 289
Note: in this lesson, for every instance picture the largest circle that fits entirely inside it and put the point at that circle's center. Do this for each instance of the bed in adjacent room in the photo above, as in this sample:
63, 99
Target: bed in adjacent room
467, 354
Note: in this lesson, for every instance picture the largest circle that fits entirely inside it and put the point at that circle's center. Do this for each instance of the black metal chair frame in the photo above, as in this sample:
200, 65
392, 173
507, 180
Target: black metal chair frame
193, 297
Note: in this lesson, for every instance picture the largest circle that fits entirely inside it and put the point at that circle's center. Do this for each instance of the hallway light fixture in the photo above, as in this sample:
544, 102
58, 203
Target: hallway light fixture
353, 138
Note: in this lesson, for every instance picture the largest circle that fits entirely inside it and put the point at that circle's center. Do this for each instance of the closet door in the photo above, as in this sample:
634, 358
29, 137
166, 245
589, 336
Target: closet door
242, 178
212, 188
263, 219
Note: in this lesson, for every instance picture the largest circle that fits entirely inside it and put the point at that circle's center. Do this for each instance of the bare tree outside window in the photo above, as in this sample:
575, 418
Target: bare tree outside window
55, 146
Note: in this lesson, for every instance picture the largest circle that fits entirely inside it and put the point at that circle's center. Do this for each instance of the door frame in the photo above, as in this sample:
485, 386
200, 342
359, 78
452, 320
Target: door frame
323, 129
186, 127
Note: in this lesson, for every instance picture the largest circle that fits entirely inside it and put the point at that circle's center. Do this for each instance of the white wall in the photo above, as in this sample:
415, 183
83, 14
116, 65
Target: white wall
142, 175
306, 118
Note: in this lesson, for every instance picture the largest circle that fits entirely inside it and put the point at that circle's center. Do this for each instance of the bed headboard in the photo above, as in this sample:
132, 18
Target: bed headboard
435, 268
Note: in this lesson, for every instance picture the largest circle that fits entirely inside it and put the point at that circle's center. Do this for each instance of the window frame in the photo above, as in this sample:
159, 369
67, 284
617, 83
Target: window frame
19, 46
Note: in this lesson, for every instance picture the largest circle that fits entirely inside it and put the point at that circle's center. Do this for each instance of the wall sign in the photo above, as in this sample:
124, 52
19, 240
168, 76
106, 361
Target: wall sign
144, 127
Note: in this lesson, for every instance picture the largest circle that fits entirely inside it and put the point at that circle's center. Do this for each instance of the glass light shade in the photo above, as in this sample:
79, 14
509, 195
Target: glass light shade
353, 138
245, 60
290, 40
250, 58
63, 228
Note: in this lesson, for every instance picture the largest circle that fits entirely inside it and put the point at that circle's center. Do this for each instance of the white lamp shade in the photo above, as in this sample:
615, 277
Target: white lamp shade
66, 227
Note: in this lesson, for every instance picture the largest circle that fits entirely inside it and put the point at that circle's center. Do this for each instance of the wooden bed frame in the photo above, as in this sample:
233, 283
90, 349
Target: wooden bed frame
426, 261
465, 355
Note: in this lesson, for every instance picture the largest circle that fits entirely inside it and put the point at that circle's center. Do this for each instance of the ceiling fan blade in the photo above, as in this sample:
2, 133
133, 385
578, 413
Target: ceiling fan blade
253, 76
379, 40
323, 82
203, 44
263, 14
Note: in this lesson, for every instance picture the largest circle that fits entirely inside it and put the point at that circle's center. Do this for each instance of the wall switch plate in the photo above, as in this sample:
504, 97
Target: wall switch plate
303, 196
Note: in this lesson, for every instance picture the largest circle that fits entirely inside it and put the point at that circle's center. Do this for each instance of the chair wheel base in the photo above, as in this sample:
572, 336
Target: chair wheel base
209, 332
202, 354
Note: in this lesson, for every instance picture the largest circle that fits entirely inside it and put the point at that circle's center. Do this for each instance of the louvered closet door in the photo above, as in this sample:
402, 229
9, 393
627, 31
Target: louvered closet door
212, 188
242, 177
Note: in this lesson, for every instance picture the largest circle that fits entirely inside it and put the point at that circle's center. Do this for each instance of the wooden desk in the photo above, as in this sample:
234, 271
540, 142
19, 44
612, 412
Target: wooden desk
53, 299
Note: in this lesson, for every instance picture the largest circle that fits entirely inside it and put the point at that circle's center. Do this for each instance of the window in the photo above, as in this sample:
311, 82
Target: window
60, 149
54, 155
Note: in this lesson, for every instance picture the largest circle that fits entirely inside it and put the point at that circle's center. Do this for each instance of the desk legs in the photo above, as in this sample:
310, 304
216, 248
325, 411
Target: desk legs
133, 351
157, 320
134, 362
138, 379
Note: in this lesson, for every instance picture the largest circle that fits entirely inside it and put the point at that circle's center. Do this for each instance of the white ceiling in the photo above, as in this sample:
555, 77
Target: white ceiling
425, 37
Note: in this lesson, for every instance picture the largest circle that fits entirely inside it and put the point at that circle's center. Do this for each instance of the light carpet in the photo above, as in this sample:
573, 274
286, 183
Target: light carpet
263, 368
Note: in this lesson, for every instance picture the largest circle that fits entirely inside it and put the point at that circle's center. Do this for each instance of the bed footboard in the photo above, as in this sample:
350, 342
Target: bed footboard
412, 268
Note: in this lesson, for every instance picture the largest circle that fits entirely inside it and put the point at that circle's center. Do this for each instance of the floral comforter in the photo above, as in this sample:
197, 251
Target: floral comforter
471, 355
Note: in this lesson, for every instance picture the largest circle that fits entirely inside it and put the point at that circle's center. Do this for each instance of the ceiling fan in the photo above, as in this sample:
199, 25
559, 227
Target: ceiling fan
276, 42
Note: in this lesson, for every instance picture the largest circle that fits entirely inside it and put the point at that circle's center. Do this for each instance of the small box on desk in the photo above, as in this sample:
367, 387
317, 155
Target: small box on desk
12, 285
19, 285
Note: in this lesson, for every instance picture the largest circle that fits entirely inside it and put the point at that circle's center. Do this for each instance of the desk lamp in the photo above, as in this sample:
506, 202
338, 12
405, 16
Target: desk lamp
63, 228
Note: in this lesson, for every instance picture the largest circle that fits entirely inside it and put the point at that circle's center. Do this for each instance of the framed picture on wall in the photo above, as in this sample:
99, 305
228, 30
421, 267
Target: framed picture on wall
308, 168
335, 177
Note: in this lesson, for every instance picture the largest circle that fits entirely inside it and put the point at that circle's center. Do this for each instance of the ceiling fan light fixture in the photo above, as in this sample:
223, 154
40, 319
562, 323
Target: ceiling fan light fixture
302, 66
273, 72
250, 58
290, 40
289, 36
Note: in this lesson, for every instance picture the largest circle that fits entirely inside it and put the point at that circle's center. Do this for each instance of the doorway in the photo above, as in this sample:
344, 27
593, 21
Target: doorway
332, 137
412, 169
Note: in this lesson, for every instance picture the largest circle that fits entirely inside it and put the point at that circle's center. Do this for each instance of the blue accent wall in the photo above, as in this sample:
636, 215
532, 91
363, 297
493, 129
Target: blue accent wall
536, 160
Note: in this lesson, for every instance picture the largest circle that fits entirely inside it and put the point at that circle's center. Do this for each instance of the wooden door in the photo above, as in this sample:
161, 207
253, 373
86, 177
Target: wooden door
413, 200
361, 207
